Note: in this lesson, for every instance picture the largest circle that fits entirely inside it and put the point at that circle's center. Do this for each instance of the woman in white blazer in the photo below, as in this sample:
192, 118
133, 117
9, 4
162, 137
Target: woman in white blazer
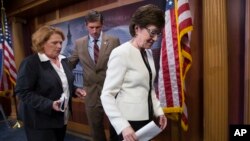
128, 96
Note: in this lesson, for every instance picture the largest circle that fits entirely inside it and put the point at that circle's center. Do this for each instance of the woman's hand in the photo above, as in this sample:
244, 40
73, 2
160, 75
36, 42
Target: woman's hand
129, 134
162, 121
56, 105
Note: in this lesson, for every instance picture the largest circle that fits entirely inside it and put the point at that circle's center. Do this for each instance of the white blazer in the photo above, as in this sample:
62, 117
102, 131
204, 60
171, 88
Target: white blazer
127, 79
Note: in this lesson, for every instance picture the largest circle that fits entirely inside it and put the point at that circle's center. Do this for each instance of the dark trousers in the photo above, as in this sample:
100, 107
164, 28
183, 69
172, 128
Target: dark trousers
50, 134
95, 120
136, 125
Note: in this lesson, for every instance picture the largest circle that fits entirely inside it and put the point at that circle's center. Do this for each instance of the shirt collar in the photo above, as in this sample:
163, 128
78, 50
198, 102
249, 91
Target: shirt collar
92, 39
43, 57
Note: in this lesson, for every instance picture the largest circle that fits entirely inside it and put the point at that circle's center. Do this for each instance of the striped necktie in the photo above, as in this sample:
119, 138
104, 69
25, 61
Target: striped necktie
96, 51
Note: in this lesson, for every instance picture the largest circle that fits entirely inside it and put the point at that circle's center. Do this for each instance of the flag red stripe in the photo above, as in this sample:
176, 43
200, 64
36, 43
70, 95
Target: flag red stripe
176, 53
165, 72
174, 33
9, 75
184, 24
175, 57
184, 7
9, 63
7, 48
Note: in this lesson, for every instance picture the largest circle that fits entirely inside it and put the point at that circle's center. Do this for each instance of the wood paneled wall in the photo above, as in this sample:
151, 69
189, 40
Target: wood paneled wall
71, 12
247, 66
194, 79
215, 70
236, 56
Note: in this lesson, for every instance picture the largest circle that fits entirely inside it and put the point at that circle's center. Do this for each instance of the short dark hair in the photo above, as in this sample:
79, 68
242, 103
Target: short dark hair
146, 15
94, 16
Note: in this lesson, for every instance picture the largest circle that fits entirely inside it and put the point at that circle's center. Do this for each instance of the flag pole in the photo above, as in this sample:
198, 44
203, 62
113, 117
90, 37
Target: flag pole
2, 16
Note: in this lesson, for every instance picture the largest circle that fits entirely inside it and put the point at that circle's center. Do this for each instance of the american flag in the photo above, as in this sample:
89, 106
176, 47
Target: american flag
8, 66
175, 59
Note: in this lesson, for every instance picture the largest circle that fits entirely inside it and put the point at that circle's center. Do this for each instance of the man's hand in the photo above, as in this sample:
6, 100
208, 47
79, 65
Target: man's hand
80, 92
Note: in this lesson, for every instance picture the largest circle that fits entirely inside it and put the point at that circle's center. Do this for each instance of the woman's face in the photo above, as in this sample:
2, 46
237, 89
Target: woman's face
147, 36
53, 46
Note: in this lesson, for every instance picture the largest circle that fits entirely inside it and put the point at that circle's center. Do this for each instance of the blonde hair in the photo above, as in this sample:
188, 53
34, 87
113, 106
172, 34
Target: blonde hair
42, 35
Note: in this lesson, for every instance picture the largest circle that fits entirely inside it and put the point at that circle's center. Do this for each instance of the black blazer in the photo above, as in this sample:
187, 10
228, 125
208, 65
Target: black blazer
38, 85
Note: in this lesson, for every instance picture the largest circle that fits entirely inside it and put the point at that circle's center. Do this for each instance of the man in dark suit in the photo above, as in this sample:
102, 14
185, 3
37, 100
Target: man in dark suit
93, 52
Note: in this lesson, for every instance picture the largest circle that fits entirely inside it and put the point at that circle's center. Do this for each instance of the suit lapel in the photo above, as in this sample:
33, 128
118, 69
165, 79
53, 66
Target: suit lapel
67, 71
53, 72
85, 51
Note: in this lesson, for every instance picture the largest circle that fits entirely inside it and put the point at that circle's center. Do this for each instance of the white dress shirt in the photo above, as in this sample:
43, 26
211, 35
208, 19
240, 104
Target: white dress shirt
60, 71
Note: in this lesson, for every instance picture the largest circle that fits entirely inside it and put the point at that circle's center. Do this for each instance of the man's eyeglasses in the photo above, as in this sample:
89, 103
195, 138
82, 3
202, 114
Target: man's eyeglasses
153, 33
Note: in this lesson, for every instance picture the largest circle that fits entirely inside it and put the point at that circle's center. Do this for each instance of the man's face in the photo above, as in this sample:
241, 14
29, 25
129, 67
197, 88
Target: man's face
94, 29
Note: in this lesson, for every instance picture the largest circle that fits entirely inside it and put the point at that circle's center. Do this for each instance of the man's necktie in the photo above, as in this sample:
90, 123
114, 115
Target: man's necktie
96, 51
150, 103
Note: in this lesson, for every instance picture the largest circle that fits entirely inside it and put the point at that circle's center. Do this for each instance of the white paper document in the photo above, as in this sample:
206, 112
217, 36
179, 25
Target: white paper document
148, 131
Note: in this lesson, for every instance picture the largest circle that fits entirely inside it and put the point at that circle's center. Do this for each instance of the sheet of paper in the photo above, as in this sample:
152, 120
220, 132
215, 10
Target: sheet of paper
148, 132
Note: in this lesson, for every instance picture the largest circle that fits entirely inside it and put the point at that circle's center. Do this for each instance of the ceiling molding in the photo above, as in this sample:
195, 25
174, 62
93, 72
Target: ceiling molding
28, 6
31, 8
